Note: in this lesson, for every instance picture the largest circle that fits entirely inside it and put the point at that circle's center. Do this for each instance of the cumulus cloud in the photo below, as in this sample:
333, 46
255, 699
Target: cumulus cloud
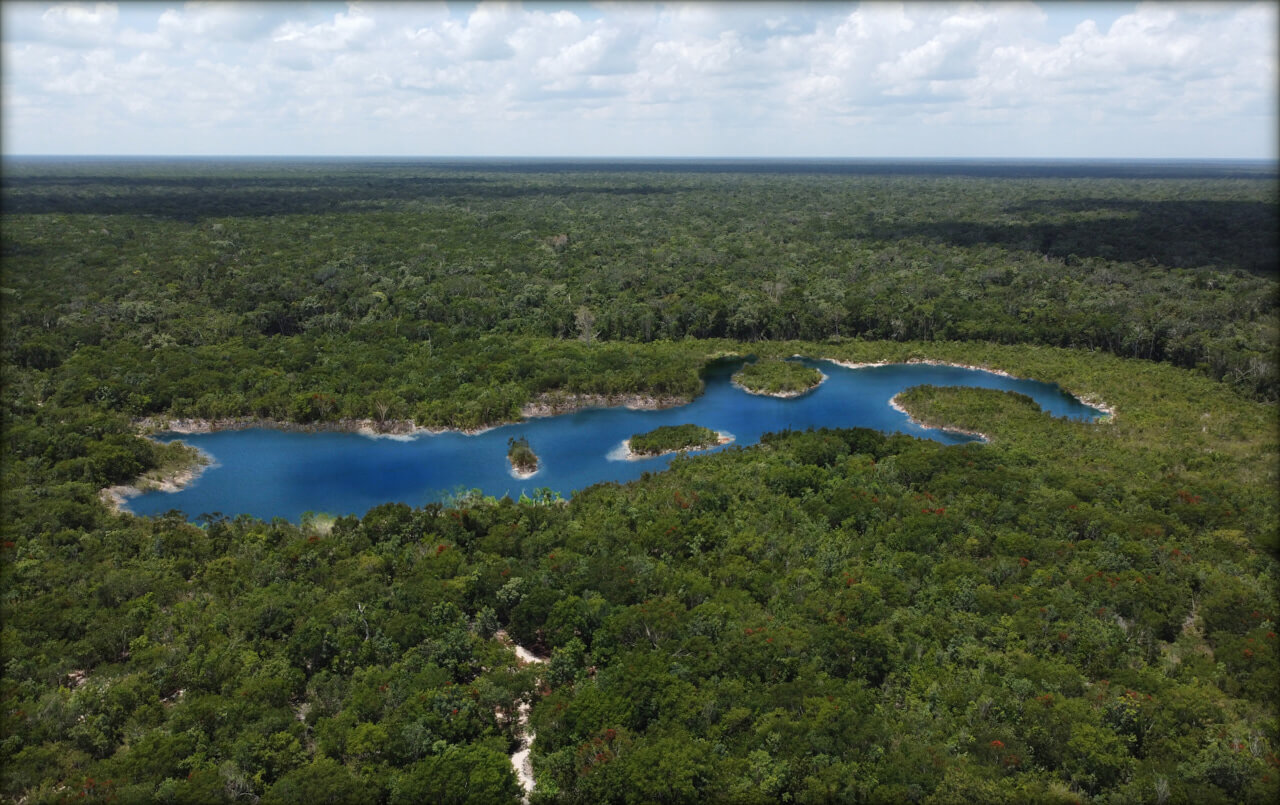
74, 21
822, 79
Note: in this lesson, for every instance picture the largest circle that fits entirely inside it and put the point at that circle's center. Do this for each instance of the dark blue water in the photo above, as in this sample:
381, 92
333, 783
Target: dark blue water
269, 473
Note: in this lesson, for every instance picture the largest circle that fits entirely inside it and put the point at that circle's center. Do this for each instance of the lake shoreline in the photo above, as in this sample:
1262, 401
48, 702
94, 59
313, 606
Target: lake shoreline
523, 475
927, 361
545, 405
555, 404
1091, 400
175, 479
386, 429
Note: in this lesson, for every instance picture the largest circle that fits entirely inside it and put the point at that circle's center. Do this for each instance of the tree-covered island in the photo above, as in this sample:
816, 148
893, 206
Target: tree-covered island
524, 462
673, 438
777, 378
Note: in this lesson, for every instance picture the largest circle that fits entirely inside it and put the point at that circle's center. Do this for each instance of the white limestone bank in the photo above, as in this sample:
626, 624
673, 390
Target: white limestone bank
524, 475
1091, 400
623, 451
169, 481
897, 406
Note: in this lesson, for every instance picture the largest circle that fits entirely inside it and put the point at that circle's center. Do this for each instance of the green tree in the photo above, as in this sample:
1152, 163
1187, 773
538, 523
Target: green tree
324, 780
461, 774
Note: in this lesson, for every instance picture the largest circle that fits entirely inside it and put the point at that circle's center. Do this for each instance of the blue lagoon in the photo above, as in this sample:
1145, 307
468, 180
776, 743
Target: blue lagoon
275, 473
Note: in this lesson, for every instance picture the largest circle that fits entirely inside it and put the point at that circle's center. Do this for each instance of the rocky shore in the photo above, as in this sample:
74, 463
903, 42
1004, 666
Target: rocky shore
554, 404
725, 438
170, 481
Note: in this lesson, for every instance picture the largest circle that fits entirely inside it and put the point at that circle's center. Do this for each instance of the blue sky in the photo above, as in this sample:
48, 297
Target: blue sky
1019, 80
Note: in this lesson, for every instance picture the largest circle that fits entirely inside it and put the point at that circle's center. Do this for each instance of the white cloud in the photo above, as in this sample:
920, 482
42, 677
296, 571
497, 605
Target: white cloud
733, 78
346, 31
75, 18
218, 21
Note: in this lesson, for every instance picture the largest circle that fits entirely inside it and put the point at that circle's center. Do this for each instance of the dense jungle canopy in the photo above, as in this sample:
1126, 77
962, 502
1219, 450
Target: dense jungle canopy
1070, 612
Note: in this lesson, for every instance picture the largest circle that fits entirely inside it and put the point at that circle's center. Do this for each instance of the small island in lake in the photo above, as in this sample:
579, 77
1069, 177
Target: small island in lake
672, 439
524, 462
777, 378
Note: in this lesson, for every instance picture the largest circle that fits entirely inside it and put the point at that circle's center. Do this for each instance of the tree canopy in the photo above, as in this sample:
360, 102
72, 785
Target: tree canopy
669, 438
1067, 612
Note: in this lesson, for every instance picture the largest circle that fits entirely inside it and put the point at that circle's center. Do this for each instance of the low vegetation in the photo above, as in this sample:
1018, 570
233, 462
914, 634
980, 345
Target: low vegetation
670, 438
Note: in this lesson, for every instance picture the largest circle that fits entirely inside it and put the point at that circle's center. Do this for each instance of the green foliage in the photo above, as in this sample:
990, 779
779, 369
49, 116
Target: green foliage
214, 288
325, 781
457, 776
670, 438
1068, 611
771, 376
907, 621
521, 455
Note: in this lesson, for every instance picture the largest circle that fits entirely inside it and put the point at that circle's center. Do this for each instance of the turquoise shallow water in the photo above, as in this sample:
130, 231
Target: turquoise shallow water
271, 473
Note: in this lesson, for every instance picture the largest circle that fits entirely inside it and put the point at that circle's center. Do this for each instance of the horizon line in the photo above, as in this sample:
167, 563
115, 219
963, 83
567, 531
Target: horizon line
623, 158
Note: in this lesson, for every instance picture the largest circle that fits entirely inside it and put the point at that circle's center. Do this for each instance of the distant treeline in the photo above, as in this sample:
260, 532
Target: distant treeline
1266, 170
177, 256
